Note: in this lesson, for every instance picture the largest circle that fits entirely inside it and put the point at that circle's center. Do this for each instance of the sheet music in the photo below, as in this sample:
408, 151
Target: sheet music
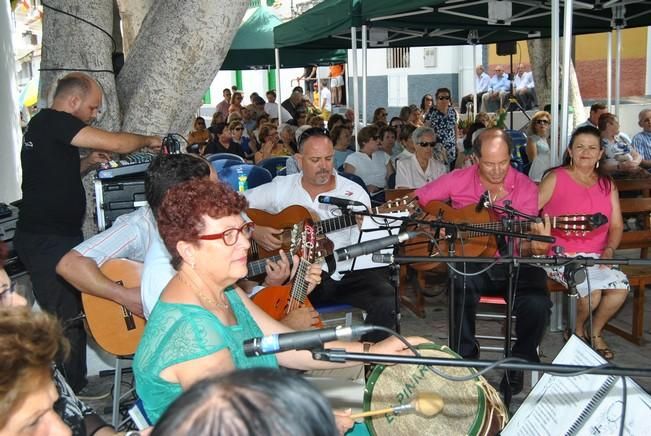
374, 228
556, 403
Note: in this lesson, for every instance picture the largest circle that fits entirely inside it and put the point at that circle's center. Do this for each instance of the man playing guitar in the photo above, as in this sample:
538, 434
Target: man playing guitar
367, 289
492, 173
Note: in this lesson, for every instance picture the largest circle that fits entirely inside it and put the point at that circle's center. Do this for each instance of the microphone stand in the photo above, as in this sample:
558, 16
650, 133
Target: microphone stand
340, 356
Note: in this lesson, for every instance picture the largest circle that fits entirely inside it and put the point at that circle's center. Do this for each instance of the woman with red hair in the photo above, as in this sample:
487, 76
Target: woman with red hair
197, 327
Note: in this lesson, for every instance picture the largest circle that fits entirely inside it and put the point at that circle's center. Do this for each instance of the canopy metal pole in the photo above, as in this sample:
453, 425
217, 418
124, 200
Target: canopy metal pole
278, 93
618, 69
364, 74
609, 72
565, 87
474, 81
556, 151
353, 42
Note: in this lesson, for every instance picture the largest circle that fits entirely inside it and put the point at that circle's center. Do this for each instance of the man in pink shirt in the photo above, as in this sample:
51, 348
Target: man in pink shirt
492, 174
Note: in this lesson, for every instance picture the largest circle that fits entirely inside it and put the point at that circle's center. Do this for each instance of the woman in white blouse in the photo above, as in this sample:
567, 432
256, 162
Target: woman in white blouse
421, 167
372, 166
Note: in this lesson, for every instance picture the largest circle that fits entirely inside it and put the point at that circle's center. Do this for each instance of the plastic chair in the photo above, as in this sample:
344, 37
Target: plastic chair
219, 156
220, 164
244, 176
519, 158
275, 165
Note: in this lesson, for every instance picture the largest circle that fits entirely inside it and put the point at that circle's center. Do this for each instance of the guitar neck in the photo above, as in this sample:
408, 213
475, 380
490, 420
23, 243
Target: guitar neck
518, 226
334, 224
257, 267
299, 287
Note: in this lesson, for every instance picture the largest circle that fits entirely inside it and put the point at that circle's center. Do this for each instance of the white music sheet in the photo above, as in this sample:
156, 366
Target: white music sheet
374, 228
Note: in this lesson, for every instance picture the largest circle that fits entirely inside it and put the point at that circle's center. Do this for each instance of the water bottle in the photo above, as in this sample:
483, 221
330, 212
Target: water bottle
241, 180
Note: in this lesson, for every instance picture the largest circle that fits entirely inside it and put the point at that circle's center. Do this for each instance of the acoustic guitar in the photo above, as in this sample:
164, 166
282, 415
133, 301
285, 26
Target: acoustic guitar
291, 218
112, 325
474, 243
278, 301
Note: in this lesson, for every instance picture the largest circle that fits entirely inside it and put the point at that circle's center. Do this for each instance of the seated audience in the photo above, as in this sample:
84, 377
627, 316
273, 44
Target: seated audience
620, 153
335, 120
270, 144
482, 80
236, 103
216, 405
426, 107
341, 136
240, 137
596, 110
524, 88
499, 88
415, 117
222, 142
199, 137
388, 141
287, 133
202, 226
406, 143
373, 167
581, 186
642, 140
217, 118
380, 116
421, 167
538, 150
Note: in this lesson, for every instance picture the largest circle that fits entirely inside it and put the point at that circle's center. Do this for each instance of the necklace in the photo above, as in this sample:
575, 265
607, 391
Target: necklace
203, 296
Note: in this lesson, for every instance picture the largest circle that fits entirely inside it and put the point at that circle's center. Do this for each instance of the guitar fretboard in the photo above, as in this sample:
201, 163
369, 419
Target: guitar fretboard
334, 224
257, 267
299, 288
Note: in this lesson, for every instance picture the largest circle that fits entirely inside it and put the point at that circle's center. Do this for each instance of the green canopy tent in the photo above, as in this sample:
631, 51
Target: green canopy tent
456, 22
253, 47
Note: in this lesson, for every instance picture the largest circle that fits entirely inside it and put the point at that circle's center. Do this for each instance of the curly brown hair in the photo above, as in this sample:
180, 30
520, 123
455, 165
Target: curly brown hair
29, 343
181, 215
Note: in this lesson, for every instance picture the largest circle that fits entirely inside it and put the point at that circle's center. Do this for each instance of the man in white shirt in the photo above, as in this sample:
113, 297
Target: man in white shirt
367, 289
482, 79
325, 100
524, 88
271, 107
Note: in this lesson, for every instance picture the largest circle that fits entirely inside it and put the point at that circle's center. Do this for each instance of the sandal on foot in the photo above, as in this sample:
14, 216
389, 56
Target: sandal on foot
601, 347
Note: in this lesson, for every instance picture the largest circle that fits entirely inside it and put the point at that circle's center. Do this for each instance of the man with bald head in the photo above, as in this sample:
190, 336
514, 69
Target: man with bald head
494, 178
54, 201
498, 89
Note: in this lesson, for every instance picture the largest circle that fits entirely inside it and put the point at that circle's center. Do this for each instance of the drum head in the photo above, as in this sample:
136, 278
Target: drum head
464, 402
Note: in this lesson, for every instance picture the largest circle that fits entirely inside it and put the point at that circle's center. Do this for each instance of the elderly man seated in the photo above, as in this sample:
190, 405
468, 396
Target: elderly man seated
482, 80
524, 89
498, 89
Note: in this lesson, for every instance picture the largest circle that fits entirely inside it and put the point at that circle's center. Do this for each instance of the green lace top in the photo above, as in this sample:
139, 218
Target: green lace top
177, 333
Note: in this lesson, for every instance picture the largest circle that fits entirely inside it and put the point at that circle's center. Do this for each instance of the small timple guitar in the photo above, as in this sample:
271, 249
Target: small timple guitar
112, 325
278, 301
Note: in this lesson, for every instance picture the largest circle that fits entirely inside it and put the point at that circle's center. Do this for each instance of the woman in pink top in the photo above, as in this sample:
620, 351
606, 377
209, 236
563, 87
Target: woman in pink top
580, 186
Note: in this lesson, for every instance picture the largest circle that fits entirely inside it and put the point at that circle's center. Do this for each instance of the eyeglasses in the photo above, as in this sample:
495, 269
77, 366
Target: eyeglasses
427, 144
383, 114
443, 97
230, 236
238, 129
544, 122
312, 131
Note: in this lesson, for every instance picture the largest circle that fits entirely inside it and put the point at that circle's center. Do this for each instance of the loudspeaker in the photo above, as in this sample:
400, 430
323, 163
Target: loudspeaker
507, 48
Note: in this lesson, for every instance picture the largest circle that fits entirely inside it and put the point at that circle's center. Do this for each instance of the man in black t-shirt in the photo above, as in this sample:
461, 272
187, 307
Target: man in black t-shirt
54, 201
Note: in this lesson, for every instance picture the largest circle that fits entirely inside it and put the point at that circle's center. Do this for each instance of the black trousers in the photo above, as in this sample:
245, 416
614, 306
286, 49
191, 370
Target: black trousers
40, 254
531, 306
367, 289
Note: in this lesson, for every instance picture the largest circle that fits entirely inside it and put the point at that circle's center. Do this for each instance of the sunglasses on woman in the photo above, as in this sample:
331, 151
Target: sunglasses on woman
427, 144
544, 122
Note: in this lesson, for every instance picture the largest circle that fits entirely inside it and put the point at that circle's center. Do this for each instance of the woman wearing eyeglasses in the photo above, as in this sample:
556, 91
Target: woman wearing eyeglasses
236, 103
197, 328
538, 150
270, 144
421, 167
380, 117
199, 137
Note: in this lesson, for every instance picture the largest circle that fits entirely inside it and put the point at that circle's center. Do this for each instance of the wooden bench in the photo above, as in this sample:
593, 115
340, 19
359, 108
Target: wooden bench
638, 276
642, 185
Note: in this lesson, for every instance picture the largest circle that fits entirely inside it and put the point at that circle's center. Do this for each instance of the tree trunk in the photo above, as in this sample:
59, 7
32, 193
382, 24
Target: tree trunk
132, 14
175, 57
540, 55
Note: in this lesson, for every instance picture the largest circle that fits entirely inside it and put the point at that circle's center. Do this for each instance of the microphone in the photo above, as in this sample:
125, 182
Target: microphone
382, 258
303, 340
483, 200
340, 202
369, 247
